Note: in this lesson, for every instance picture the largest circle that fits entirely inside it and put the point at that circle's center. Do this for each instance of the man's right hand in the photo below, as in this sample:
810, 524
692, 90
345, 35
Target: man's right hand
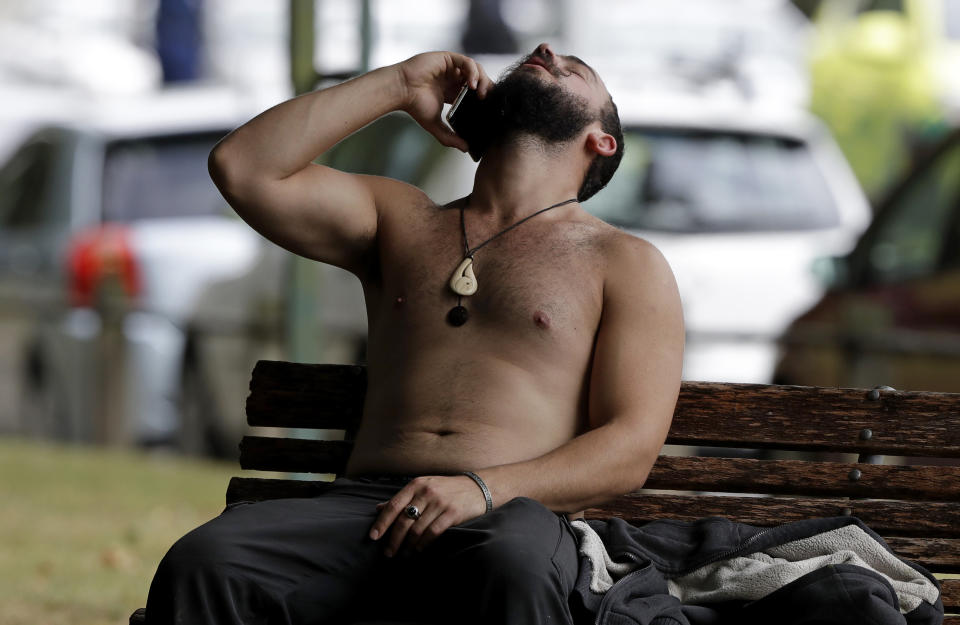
434, 78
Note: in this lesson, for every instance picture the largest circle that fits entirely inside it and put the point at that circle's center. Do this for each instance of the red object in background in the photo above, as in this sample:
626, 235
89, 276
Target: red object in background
99, 254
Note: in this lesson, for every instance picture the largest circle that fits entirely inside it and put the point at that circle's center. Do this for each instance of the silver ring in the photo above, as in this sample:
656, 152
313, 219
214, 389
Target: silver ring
412, 512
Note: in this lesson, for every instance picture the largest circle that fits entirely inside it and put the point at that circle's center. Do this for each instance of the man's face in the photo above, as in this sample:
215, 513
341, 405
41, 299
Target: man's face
547, 96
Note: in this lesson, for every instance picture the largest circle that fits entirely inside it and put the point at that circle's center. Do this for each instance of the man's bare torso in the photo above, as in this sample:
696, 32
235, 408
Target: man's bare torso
509, 385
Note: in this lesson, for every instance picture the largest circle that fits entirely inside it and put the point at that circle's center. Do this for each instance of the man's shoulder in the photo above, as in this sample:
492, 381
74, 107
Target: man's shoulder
636, 271
391, 193
627, 253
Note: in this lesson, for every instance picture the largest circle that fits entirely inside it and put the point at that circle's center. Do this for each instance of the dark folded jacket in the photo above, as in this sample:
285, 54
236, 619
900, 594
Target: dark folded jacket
714, 571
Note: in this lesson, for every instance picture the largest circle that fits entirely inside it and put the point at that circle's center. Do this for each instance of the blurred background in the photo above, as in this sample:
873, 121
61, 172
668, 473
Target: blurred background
796, 162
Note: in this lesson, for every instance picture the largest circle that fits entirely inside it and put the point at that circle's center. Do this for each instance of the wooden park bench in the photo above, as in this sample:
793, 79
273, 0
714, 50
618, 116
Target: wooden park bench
912, 499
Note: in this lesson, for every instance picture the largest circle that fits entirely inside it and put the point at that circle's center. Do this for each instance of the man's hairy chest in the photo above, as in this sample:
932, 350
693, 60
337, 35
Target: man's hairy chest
540, 277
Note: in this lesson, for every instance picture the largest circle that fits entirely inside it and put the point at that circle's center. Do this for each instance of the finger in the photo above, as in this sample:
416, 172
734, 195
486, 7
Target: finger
439, 525
446, 136
485, 84
417, 530
390, 511
398, 531
469, 70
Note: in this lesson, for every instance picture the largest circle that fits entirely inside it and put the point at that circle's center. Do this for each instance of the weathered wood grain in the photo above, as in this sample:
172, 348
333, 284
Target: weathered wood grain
915, 519
293, 455
950, 595
733, 475
284, 394
814, 418
744, 475
708, 414
262, 489
299, 377
940, 555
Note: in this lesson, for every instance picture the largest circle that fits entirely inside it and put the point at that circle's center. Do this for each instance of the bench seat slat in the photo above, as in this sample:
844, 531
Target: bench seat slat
708, 414
735, 475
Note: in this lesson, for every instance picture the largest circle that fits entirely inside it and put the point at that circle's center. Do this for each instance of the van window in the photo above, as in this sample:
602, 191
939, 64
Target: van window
709, 181
951, 19
909, 241
160, 177
24, 186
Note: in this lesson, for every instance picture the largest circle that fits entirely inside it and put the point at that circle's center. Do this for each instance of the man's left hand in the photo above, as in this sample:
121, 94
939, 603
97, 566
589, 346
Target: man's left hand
443, 501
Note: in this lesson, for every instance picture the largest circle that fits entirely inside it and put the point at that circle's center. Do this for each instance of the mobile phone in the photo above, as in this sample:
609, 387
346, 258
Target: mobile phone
467, 116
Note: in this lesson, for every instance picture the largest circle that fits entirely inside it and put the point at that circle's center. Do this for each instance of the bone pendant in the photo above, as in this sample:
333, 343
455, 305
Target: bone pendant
463, 282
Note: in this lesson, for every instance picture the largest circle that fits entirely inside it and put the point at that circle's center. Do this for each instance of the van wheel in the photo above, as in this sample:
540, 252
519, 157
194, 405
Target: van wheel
198, 434
193, 437
43, 408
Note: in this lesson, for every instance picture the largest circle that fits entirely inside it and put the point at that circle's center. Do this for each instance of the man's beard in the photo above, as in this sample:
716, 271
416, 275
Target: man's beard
527, 105
521, 104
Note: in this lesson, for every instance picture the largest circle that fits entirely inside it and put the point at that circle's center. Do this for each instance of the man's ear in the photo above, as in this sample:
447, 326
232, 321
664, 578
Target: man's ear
601, 143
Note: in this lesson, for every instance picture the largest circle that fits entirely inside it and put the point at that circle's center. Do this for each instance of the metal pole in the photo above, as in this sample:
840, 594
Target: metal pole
366, 35
304, 332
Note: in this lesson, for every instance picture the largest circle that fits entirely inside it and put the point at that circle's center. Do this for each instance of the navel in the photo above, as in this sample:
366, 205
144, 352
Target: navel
541, 319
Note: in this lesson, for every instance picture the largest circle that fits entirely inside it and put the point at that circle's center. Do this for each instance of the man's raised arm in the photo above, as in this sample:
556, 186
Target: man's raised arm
265, 171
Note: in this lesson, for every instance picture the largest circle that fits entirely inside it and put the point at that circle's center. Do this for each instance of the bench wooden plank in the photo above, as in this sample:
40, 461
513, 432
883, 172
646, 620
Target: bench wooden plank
262, 489
919, 519
800, 477
284, 394
941, 555
735, 475
344, 380
950, 595
294, 455
707, 414
818, 419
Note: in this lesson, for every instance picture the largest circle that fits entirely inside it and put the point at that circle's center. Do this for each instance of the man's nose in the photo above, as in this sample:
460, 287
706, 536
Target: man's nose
544, 50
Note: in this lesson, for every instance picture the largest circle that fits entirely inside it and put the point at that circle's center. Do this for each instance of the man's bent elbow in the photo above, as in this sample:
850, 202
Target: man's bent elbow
227, 172
219, 167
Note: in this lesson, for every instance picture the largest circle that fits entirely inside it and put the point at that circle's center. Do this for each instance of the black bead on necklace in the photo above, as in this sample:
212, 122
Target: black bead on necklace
463, 282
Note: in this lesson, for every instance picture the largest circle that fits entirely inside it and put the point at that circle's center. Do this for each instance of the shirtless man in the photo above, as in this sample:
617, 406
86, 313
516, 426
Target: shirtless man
557, 392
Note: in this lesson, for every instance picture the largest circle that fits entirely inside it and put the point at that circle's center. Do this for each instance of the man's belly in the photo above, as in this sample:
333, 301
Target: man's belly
406, 451
436, 424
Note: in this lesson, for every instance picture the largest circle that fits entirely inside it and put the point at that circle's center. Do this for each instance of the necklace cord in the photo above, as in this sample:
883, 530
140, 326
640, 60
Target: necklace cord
468, 253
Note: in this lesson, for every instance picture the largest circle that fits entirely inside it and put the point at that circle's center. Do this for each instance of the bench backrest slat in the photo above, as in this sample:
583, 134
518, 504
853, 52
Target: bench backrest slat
707, 414
938, 519
729, 475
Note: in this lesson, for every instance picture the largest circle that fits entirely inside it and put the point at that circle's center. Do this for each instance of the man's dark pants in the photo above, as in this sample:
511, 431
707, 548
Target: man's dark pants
311, 561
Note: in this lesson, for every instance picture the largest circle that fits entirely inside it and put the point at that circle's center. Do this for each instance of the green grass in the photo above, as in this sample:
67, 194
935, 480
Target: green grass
82, 529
